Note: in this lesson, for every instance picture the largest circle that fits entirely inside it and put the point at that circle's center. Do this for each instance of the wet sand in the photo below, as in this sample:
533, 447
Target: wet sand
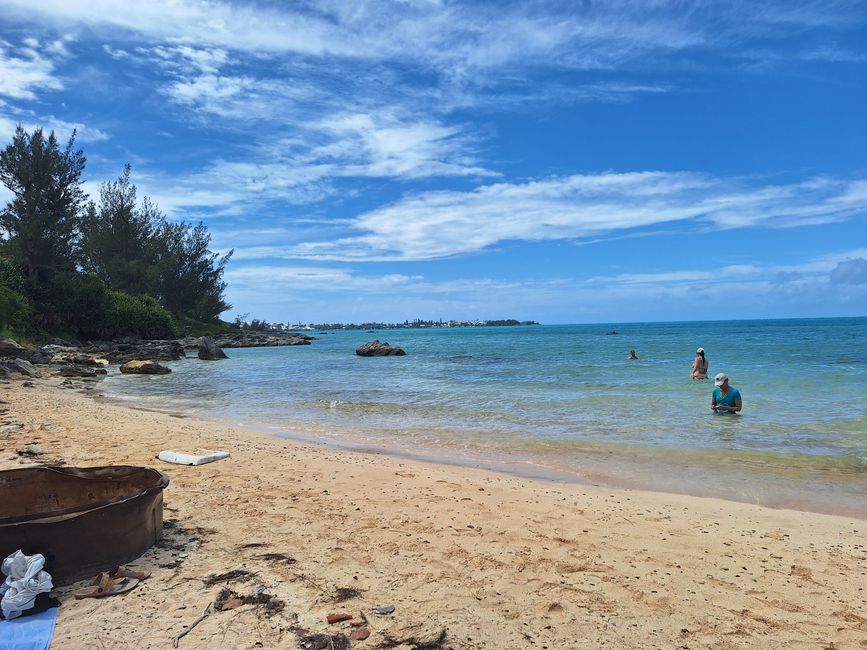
495, 560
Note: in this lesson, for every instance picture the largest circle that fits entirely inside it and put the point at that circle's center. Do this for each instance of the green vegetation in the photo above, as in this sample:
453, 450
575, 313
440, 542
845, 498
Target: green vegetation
69, 266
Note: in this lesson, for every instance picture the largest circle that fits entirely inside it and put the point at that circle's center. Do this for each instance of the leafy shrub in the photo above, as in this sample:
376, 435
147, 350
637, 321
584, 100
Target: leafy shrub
140, 316
10, 276
16, 313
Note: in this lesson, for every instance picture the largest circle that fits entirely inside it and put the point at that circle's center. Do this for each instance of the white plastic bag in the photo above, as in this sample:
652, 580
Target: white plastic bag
25, 580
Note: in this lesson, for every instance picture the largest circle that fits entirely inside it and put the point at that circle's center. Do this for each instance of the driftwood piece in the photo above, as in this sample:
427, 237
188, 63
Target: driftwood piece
189, 627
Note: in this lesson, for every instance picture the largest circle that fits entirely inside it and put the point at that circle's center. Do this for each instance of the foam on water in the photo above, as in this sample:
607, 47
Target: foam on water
565, 401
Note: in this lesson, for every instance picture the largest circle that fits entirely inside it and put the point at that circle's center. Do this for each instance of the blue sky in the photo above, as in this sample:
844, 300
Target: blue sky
557, 161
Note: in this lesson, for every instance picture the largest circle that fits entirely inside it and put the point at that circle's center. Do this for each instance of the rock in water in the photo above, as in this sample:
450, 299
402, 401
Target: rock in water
377, 349
144, 367
210, 351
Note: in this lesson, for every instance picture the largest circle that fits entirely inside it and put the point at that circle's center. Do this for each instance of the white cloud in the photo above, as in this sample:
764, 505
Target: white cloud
61, 128
26, 71
436, 225
337, 293
457, 41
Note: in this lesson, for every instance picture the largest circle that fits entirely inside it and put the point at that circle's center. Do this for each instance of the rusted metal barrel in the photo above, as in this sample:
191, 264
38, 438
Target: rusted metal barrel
82, 519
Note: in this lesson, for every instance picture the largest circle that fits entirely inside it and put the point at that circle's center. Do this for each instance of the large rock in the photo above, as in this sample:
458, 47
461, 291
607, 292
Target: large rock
377, 349
10, 348
210, 351
21, 366
144, 367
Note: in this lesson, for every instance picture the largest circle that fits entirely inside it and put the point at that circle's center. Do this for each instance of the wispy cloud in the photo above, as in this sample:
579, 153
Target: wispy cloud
62, 128
27, 69
435, 225
298, 291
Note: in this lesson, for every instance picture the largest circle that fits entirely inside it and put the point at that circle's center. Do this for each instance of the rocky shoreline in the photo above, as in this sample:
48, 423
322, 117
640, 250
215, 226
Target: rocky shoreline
87, 361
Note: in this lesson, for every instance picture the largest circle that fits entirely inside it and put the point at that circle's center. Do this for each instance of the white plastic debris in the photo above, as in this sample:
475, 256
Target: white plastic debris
25, 580
205, 456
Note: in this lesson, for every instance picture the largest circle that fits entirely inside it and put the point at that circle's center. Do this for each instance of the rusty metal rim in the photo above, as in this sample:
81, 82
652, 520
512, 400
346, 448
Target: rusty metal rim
79, 473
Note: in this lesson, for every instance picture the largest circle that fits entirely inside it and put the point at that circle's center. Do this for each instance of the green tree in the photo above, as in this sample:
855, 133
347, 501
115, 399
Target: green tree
190, 276
41, 221
117, 242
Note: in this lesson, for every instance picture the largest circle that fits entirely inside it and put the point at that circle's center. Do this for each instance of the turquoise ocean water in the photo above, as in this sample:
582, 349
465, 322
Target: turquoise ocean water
562, 402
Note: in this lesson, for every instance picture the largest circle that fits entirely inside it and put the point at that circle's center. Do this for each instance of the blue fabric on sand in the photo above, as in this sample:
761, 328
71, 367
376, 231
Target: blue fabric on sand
28, 632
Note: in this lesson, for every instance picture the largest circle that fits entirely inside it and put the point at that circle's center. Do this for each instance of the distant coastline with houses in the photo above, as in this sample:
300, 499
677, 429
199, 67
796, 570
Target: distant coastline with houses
258, 325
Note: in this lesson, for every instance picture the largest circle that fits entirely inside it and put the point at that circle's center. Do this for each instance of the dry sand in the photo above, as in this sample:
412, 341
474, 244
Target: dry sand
495, 560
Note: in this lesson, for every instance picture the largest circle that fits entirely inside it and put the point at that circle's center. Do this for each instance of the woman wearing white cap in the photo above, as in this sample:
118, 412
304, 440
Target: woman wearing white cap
726, 399
699, 365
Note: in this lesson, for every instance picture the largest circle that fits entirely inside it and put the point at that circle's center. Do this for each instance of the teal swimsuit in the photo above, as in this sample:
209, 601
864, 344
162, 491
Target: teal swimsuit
729, 399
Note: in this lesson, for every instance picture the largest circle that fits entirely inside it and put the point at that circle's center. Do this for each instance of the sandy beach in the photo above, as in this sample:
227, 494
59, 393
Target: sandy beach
495, 561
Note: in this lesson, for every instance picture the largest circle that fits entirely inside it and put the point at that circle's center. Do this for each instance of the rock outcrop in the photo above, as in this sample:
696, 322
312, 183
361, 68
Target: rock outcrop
377, 349
261, 339
144, 367
21, 366
10, 348
210, 351
129, 350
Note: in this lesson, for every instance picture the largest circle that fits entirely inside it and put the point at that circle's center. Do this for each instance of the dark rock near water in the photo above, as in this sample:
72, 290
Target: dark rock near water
210, 351
129, 350
73, 359
144, 367
377, 349
261, 339
82, 371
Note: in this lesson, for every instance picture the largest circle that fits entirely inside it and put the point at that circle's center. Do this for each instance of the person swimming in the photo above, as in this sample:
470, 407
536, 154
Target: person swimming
699, 365
632, 356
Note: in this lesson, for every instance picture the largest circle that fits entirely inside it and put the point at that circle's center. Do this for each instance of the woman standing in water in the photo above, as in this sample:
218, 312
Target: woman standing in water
699, 365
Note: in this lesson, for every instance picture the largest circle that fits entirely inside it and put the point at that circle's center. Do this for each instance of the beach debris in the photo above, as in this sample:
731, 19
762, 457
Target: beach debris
277, 557
377, 349
436, 644
30, 451
144, 367
210, 351
337, 618
230, 599
189, 627
181, 458
346, 593
240, 575
307, 641
359, 634
382, 611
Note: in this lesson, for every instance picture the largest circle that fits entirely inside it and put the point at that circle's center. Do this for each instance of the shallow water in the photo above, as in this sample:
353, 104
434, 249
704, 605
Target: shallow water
563, 401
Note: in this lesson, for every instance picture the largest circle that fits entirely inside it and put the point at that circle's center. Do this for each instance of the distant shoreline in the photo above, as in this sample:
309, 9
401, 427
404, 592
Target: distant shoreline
406, 325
